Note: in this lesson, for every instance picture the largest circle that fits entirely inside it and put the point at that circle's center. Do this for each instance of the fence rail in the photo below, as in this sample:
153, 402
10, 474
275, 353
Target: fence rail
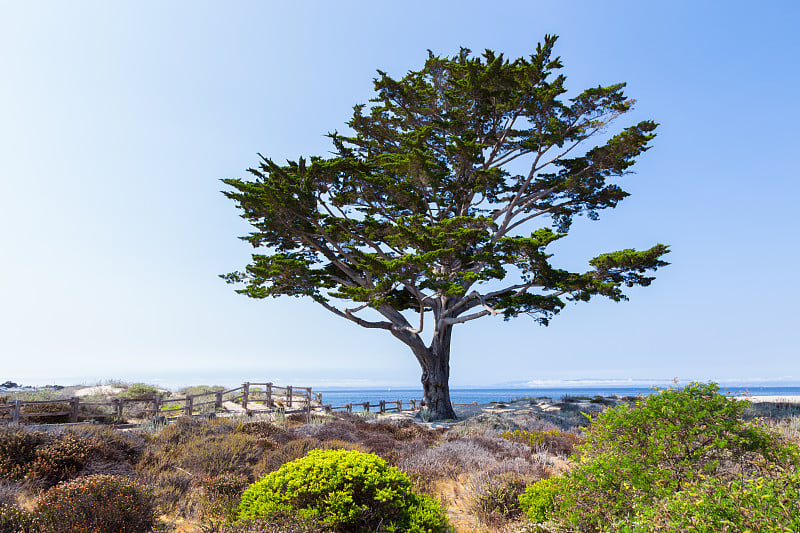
248, 395
383, 406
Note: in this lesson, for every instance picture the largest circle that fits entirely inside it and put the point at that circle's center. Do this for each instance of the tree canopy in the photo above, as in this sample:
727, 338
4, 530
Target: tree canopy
423, 209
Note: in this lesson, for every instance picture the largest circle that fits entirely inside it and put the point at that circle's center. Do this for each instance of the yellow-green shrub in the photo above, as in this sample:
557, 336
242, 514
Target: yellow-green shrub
538, 499
345, 489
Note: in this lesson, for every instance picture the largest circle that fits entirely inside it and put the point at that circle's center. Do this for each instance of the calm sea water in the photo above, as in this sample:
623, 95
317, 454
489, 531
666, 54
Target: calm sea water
339, 397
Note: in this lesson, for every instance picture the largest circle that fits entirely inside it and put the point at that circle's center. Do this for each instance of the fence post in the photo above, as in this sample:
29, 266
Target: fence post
348, 407
156, 406
328, 409
73, 415
245, 394
413, 404
308, 395
119, 403
218, 400
366, 407
289, 395
189, 405
382, 405
17, 411
399, 406
269, 396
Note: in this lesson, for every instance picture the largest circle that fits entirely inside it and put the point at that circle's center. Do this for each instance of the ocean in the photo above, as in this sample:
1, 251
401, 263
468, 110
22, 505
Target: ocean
339, 397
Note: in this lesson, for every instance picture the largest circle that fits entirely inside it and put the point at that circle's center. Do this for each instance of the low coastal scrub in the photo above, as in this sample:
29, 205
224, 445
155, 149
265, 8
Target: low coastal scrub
685, 459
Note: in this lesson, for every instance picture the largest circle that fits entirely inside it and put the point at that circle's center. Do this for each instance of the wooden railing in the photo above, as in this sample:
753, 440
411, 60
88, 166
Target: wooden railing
247, 395
383, 406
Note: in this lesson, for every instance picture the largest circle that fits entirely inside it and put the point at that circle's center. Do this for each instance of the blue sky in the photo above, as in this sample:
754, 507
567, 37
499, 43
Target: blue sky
117, 121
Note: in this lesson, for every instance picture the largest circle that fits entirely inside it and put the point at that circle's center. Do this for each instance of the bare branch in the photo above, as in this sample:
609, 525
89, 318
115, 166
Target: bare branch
349, 316
465, 318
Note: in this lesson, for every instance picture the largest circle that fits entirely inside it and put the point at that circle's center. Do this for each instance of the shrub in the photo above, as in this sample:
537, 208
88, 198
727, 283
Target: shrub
538, 499
710, 504
18, 451
140, 390
496, 498
635, 457
43, 458
212, 455
467, 455
101, 504
222, 493
60, 459
294, 449
553, 441
344, 489
16, 520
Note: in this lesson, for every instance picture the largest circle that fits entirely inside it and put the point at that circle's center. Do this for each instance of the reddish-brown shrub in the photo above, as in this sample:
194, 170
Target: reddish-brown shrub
222, 493
100, 504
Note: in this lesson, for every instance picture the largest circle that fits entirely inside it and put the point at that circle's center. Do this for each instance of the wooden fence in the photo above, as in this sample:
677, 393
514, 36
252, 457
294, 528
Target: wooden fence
248, 396
382, 407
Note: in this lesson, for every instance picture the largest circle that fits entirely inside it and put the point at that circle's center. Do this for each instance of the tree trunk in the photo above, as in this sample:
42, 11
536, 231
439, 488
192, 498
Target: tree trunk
436, 376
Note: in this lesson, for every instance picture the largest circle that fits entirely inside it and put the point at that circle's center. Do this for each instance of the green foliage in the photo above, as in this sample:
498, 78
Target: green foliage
100, 504
344, 489
538, 499
140, 390
709, 505
636, 457
422, 209
201, 389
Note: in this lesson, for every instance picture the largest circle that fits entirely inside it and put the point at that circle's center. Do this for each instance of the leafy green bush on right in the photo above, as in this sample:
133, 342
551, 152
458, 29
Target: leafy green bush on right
766, 504
638, 460
343, 489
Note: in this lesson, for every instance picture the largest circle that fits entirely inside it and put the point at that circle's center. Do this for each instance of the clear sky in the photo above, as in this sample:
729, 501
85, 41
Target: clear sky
117, 120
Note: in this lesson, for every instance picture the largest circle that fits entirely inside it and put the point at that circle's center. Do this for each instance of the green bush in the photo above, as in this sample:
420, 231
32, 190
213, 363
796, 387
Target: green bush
538, 499
345, 489
635, 458
140, 390
709, 505
100, 504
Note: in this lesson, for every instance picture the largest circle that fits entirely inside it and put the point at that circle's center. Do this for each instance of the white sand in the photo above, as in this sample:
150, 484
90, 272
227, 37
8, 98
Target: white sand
772, 399
106, 390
